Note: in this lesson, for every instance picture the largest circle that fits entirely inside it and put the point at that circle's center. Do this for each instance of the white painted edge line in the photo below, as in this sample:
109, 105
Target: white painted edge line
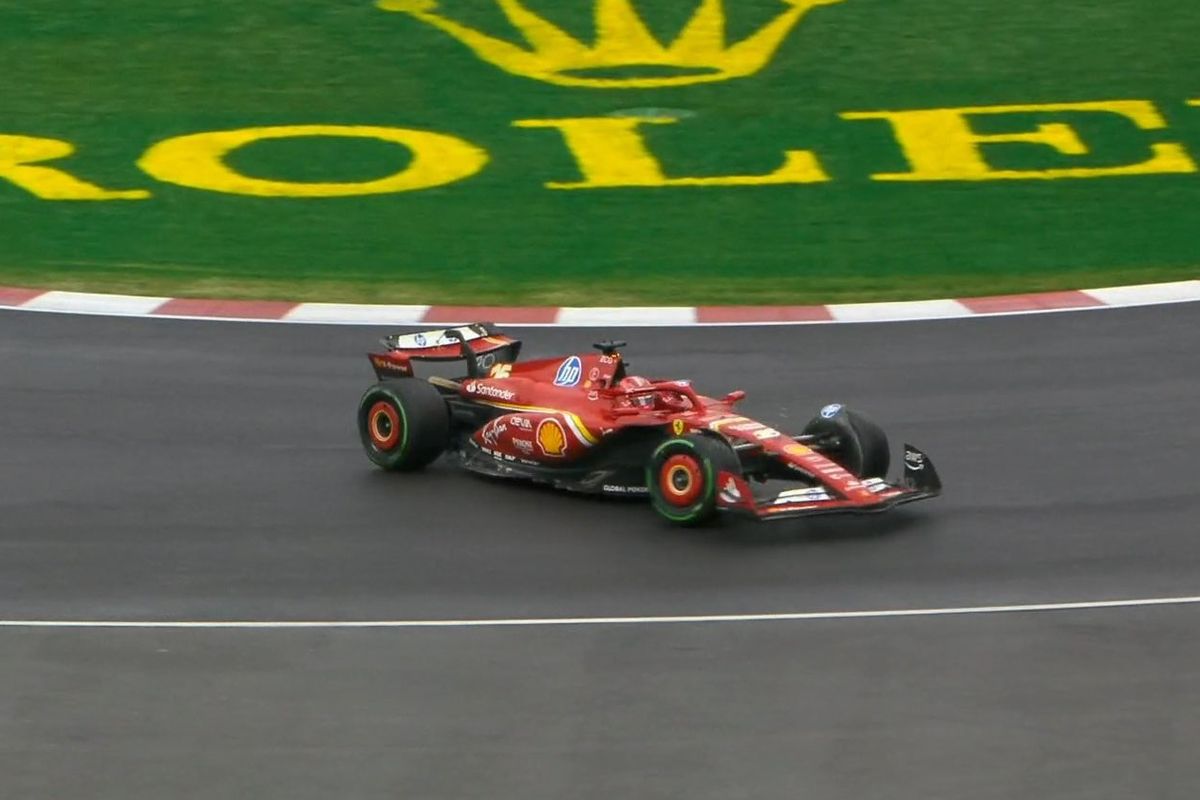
632, 315
356, 314
1087, 605
1147, 294
891, 312
87, 303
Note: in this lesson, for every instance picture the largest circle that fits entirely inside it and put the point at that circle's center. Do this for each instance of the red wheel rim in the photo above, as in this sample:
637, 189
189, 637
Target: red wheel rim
681, 480
384, 425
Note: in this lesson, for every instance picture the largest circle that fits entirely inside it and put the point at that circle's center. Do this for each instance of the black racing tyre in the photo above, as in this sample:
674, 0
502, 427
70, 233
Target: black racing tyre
404, 424
863, 449
682, 476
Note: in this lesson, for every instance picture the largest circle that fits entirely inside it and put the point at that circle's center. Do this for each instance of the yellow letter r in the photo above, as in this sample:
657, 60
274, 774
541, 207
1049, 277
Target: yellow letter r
18, 153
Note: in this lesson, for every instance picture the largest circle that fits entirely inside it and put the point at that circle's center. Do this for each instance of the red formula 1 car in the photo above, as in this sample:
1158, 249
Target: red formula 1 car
580, 422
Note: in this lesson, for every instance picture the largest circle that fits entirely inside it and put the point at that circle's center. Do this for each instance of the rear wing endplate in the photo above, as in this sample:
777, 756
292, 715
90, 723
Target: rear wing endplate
480, 345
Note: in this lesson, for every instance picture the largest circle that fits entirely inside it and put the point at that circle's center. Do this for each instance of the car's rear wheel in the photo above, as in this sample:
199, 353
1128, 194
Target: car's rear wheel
862, 446
403, 424
682, 476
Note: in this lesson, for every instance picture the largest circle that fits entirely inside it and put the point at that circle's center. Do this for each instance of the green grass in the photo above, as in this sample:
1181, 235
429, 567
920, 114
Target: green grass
113, 78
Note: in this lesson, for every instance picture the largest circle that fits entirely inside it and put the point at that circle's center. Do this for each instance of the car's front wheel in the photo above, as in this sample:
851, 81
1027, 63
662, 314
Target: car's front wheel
682, 476
403, 424
862, 446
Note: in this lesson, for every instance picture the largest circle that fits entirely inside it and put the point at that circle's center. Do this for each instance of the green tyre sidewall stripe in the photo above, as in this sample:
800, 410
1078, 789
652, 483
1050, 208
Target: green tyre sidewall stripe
697, 509
403, 421
420, 410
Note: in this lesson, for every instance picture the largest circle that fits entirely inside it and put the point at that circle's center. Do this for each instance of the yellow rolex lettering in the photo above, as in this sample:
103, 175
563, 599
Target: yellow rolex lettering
611, 152
940, 144
198, 161
19, 153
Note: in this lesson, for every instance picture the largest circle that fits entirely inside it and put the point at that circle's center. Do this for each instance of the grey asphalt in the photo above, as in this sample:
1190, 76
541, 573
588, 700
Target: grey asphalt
157, 469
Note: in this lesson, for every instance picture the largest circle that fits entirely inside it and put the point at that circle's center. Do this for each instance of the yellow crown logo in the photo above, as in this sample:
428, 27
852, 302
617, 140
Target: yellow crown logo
625, 55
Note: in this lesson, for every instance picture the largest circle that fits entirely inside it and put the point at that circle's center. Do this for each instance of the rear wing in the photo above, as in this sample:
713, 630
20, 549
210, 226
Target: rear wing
480, 345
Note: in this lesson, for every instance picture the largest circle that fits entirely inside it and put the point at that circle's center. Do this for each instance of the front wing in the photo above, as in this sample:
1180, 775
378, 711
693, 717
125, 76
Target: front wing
920, 481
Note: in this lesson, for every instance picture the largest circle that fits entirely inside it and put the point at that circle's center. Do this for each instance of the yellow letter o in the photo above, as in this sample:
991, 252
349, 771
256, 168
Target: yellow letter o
198, 161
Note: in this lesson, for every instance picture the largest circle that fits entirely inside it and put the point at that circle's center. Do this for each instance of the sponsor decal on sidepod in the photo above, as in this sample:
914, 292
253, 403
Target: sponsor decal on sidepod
551, 438
569, 372
474, 387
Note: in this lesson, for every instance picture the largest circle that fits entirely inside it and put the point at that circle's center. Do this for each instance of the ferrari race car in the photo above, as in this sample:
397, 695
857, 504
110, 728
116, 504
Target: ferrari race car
582, 423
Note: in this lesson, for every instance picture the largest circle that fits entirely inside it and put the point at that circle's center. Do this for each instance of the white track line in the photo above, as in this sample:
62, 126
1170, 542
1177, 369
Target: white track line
116, 305
899, 311
579, 621
631, 315
1148, 294
359, 314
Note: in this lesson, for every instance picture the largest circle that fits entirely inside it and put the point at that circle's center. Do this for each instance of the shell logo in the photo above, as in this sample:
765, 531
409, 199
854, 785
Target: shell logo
551, 438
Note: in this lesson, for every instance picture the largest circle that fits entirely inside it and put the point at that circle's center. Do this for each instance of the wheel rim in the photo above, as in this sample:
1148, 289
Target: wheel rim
384, 426
681, 480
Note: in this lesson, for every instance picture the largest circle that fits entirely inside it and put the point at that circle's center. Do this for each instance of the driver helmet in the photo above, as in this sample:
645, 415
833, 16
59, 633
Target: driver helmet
644, 400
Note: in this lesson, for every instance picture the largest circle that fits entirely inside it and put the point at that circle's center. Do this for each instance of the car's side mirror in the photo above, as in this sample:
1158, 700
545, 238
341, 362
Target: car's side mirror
609, 347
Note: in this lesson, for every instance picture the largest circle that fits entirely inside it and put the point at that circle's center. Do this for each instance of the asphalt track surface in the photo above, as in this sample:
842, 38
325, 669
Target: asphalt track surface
172, 470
